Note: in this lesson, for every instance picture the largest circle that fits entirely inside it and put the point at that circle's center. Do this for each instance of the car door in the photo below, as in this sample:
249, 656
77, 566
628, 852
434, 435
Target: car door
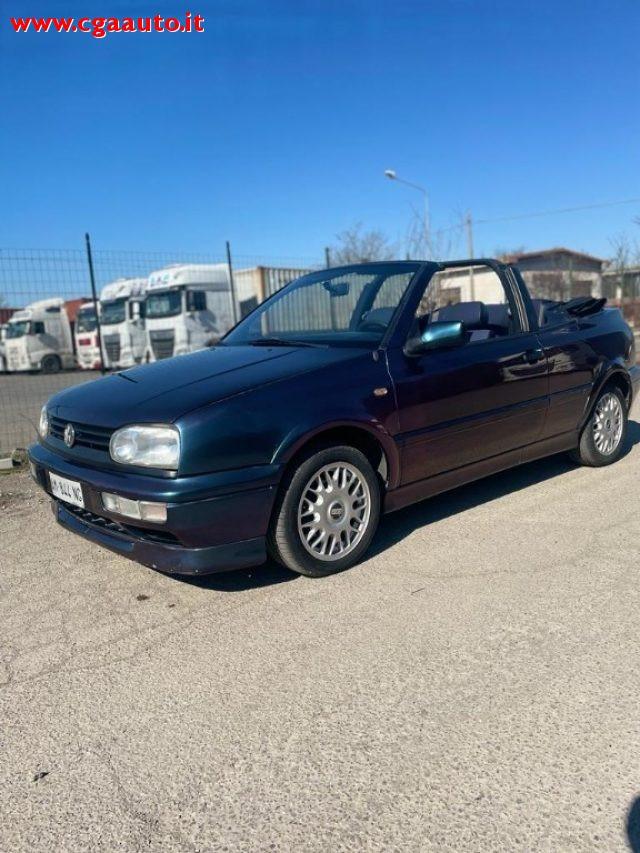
484, 399
572, 365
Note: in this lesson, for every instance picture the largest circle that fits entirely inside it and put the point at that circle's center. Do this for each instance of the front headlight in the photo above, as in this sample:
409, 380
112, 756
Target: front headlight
152, 446
43, 425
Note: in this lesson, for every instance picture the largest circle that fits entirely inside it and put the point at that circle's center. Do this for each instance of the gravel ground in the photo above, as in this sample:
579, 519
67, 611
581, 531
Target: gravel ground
472, 686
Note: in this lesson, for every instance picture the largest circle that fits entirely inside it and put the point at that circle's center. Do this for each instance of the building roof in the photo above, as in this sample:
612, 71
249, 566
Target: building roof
543, 253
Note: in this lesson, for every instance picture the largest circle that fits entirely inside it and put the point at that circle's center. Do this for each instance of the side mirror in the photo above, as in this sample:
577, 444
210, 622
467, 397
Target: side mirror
437, 336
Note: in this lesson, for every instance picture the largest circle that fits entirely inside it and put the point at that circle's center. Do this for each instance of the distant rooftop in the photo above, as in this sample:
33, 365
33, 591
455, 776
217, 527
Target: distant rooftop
543, 253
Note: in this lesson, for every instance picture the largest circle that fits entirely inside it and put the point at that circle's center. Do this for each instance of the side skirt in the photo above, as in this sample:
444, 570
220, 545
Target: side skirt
422, 489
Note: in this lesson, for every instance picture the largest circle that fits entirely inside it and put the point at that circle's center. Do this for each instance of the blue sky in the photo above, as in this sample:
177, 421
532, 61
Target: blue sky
272, 128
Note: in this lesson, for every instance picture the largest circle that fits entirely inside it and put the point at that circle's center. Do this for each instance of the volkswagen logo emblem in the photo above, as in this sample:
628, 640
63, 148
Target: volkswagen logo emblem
69, 435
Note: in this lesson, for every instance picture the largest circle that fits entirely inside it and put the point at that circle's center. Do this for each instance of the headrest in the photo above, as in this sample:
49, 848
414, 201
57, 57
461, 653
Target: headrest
498, 315
472, 314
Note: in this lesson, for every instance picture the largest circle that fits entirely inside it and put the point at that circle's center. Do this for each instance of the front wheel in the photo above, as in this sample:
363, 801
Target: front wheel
326, 513
603, 437
50, 364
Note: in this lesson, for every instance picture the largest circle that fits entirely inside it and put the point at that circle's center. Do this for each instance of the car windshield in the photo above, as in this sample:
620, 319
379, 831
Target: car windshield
165, 304
349, 306
112, 312
86, 320
18, 329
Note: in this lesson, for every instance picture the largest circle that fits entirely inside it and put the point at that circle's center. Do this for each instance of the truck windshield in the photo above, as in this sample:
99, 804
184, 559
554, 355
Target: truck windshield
86, 320
348, 306
166, 304
113, 312
18, 329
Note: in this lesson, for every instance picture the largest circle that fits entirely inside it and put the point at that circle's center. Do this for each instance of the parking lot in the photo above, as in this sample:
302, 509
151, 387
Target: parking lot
472, 686
22, 395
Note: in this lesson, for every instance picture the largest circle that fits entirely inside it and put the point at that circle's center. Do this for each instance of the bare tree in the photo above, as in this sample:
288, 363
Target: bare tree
425, 243
354, 246
626, 254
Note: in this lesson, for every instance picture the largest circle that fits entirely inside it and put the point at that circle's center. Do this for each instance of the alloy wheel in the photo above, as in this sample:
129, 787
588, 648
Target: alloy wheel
334, 511
608, 420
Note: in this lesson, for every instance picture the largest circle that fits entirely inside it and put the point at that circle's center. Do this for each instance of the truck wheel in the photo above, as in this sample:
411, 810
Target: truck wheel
326, 513
603, 437
50, 364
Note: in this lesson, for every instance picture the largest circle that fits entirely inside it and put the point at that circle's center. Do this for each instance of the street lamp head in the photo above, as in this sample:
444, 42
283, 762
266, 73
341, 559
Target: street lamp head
391, 174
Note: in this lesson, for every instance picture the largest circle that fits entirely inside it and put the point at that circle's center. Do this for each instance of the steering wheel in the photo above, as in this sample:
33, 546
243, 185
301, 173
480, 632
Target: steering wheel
371, 326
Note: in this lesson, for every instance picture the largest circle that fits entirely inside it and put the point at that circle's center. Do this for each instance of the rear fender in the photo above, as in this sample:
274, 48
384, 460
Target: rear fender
608, 371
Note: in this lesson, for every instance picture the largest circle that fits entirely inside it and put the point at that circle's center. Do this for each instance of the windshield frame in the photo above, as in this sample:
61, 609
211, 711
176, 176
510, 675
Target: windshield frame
380, 271
169, 291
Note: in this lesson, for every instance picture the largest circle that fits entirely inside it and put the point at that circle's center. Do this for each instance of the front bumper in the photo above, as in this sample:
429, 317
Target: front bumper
164, 556
215, 522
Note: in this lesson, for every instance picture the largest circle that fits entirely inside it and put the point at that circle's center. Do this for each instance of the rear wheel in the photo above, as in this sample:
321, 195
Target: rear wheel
603, 437
327, 512
50, 364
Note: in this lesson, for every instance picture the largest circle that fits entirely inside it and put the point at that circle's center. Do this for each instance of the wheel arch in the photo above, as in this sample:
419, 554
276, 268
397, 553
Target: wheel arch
377, 445
616, 376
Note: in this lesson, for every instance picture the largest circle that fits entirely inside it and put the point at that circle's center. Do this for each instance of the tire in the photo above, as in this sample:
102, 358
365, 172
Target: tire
327, 479
604, 435
50, 364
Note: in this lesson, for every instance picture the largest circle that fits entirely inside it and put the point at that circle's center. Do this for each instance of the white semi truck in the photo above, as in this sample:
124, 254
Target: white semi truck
122, 322
86, 337
39, 337
3, 336
188, 307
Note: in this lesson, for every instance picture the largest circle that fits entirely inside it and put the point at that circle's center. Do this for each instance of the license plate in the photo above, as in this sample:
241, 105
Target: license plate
67, 490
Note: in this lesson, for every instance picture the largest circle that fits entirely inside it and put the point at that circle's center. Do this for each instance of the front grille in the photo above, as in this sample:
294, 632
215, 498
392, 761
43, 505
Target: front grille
162, 343
112, 347
95, 437
117, 527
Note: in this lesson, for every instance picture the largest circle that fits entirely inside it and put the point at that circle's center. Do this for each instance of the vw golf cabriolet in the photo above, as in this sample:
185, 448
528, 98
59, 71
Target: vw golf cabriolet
350, 392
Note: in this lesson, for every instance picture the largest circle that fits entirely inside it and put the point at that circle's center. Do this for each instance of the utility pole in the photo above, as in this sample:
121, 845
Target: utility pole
469, 225
327, 257
95, 302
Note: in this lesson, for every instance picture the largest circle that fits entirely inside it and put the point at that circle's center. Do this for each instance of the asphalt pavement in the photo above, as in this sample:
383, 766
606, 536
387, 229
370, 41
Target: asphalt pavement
473, 685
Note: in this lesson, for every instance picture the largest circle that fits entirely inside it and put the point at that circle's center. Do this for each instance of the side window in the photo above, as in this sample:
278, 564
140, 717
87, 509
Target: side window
38, 328
196, 300
474, 296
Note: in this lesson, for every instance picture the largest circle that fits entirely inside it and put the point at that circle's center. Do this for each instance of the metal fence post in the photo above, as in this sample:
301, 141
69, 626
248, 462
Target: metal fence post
95, 302
234, 301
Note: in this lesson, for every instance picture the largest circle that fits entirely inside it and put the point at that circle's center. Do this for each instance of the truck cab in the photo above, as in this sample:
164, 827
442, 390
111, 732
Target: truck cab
122, 322
86, 337
39, 338
188, 307
3, 336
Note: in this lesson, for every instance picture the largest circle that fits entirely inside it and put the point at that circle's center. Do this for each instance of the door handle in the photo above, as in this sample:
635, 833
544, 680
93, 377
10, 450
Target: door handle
532, 356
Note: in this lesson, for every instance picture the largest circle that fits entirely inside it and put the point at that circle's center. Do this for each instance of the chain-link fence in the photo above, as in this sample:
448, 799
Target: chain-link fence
150, 305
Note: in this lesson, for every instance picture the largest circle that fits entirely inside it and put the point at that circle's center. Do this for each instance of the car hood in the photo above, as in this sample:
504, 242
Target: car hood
163, 391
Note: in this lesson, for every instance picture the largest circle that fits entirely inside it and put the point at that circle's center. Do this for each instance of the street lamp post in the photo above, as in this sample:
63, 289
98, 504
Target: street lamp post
391, 174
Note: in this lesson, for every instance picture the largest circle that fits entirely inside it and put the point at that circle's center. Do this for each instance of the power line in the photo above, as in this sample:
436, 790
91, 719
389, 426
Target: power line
517, 216
559, 210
